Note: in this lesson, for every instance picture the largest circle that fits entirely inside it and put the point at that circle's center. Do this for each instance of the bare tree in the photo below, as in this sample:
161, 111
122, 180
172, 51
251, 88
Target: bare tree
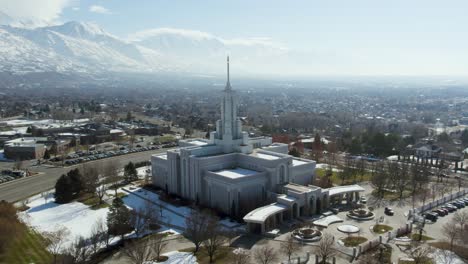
451, 232
402, 178
111, 174
79, 251
158, 245
138, 252
97, 236
90, 177
214, 237
379, 179
419, 253
265, 255
196, 227
461, 218
445, 256
326, 248
289, 247
18, 165
139, 221
55, 239
240, 256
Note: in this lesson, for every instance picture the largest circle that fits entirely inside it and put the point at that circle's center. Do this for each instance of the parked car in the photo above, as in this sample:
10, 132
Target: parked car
449, 208
439, 212
445, 210
431, 216
389, 211
458, 205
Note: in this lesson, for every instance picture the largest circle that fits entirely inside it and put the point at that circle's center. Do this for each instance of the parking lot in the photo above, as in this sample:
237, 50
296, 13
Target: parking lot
85, 156
9, 175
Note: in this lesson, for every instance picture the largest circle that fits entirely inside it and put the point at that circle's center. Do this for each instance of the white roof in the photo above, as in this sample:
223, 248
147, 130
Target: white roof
260, 214
236, 173
161, 156
266, 156
198, 142
296, 162
345, 189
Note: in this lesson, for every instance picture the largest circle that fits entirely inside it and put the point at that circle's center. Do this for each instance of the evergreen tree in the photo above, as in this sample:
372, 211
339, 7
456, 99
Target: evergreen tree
46, 154
76, 181
130, 172
63, 190
118, 218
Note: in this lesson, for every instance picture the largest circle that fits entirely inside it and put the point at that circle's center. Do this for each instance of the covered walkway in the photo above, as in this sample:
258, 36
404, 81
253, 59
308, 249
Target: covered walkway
265, 218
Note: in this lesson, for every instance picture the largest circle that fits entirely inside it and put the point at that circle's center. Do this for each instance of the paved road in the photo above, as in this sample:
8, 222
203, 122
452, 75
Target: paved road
25, 187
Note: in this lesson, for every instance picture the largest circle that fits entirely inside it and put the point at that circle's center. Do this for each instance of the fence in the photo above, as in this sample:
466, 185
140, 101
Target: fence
382, 239
438, 202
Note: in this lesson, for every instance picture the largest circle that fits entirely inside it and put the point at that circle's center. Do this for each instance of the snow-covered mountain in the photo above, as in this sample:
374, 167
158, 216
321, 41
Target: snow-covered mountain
86, 48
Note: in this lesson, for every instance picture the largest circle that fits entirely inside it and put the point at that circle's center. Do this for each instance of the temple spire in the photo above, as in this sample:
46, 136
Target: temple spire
228, 84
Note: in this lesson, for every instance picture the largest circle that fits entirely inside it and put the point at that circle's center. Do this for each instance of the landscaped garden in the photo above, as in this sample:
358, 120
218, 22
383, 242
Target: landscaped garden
381, 229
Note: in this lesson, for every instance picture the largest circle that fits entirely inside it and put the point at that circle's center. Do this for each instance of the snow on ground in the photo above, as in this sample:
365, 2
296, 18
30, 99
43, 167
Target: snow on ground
134, 201
49, 216
176, 257
142, 171
446, 256
325, 166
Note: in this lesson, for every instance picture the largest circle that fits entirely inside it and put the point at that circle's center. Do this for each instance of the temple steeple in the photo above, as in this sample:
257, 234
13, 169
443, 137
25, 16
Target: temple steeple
228, 132
228, 84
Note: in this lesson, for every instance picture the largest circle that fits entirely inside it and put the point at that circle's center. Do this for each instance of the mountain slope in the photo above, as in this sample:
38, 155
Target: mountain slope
86, 48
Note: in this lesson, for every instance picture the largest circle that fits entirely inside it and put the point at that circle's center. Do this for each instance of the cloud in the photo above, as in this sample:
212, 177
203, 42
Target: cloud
148, 33
200, 35
33, 13
99, 9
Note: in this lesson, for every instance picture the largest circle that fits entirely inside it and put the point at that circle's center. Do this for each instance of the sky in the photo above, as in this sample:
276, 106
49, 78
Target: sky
359, 37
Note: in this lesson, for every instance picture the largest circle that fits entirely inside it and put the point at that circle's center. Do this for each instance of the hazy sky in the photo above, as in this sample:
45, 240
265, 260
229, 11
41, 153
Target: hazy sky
343, 37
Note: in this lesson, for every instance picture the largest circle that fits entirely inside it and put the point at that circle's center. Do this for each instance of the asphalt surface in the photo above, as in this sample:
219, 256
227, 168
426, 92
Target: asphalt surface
23, 188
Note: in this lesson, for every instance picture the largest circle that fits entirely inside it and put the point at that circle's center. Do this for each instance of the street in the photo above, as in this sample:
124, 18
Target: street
23, 188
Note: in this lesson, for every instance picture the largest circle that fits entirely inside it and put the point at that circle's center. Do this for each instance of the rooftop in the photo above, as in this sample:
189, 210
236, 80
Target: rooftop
344, 189
235, 173
297, 162
260, 214
265, 156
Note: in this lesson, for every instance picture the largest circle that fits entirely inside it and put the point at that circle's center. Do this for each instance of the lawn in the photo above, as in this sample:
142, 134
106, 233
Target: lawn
353, 241
424, 261
415, 237
28, 248
392, 196
380, 229
224, 255
92, 201
335, 178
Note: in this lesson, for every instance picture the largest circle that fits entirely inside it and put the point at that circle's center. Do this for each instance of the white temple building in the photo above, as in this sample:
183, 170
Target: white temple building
240, 176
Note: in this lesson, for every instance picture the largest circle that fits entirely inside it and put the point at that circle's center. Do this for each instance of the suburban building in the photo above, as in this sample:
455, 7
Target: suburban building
25, 148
